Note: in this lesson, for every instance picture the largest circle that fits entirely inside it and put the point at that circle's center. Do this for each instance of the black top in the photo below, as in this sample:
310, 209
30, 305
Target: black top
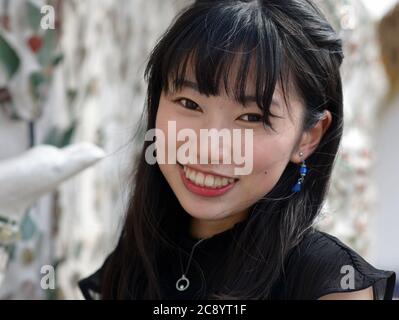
313, 269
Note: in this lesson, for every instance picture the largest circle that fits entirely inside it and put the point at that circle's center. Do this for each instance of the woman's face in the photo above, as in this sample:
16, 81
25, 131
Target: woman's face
213, 191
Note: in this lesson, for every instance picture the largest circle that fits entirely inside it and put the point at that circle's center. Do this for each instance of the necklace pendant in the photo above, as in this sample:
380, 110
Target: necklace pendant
183, 283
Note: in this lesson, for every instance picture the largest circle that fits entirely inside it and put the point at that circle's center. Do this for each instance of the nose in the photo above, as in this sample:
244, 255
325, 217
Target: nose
221, 145
215, 143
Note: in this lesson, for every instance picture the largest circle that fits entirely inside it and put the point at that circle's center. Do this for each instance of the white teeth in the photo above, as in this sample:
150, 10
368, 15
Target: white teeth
199, 179
191, 175
208, 180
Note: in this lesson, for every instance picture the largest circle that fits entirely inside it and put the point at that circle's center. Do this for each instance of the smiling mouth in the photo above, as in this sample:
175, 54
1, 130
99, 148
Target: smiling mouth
205, 184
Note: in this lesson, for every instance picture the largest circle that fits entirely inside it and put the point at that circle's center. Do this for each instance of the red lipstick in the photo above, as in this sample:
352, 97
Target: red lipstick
203, 191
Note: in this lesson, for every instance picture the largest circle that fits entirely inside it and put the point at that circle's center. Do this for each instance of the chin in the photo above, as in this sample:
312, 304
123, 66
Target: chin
203, 210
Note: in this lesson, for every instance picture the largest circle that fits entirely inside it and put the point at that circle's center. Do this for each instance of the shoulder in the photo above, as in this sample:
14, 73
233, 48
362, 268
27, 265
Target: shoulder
321, 264
363, 294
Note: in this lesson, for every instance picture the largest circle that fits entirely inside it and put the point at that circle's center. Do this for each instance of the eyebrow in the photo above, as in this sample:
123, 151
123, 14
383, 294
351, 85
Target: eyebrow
194, 86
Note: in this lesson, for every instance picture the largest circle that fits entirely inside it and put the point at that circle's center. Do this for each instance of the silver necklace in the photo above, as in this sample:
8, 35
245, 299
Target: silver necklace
183, 282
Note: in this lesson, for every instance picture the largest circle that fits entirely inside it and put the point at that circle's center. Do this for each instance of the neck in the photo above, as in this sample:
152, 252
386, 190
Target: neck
200, 228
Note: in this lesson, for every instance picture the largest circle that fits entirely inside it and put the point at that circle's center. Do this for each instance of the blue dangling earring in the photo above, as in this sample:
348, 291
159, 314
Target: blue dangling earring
302, 171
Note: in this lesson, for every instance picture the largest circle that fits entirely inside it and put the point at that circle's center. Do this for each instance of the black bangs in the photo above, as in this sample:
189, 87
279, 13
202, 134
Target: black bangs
211, 42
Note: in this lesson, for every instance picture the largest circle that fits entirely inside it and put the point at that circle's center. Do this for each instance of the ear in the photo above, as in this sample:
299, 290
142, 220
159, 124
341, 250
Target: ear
311, 138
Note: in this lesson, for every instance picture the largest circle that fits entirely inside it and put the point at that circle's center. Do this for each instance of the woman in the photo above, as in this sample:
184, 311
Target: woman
198, 229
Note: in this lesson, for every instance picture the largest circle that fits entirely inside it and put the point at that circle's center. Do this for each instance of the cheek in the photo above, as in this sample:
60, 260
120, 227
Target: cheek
169, 122
270, 158
164, 114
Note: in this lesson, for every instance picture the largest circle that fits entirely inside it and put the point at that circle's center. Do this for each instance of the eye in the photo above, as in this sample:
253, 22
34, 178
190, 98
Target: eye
251, 117
188, 104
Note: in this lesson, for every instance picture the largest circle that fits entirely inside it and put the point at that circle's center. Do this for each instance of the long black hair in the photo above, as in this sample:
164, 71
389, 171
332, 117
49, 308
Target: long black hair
290, 41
